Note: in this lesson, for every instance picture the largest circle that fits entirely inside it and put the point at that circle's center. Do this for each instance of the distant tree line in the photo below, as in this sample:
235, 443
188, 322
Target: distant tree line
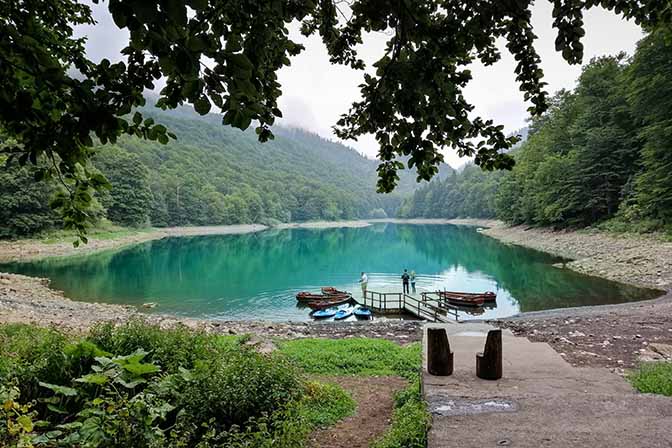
211, 175
601, 152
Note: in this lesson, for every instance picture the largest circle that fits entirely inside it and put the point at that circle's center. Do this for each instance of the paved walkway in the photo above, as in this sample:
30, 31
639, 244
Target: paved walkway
541, 401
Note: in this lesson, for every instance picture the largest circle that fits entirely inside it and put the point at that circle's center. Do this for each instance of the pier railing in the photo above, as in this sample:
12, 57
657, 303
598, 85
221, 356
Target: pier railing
426, 307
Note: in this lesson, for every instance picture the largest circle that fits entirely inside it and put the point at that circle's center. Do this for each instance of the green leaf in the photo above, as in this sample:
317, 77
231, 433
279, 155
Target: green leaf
202, 106
141, 369
93, 378
55, 409
25, 422
131, 384
61, 390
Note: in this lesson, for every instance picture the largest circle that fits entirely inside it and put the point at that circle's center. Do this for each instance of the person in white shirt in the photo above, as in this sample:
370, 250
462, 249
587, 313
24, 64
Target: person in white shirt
363, 281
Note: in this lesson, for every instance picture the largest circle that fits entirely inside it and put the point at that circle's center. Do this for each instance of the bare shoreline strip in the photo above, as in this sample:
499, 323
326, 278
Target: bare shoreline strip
33, 249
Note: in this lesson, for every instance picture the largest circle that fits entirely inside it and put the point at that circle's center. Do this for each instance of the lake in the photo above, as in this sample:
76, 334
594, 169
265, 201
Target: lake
256, 275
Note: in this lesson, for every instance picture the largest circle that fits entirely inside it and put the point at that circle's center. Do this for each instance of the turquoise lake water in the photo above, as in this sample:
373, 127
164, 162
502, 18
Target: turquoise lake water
256, 276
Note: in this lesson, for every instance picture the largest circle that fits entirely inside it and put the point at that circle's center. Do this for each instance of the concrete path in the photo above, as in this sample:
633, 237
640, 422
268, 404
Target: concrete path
541, 401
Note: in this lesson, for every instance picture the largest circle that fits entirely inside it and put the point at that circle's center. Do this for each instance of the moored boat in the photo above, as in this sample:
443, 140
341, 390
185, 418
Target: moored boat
306, 296
322, 314
362, 311
326, 303
331, 291
343, 314
487, 296
462, 300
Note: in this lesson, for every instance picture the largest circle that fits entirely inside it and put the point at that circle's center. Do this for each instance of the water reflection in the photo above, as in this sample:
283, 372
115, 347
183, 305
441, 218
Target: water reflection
255, 276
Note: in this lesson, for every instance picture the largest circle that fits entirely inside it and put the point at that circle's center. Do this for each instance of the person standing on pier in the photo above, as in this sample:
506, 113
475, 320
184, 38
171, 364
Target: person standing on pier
404, 281
364, 281
413, 281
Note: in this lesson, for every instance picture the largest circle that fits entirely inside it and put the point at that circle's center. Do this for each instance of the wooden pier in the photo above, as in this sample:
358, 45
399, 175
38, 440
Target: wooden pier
428, 307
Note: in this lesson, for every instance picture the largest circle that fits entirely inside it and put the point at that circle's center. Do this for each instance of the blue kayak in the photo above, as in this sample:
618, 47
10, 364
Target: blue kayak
321, 314
342, 314
362, 312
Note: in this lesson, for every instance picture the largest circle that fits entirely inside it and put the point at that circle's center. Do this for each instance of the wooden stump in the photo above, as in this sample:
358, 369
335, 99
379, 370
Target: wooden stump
439, 356
489, 363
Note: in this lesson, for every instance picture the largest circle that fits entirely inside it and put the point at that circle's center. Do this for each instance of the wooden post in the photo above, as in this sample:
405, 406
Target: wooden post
439, 356
489, 363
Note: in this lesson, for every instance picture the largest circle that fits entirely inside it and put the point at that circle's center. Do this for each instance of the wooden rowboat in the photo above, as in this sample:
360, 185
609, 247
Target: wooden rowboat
327, 303
331, 291
462, 299
487, 296
305, 296
466, 301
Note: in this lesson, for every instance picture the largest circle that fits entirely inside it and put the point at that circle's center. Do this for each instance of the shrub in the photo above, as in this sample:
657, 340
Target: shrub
30, 354
238, 387
653, 378
170, 348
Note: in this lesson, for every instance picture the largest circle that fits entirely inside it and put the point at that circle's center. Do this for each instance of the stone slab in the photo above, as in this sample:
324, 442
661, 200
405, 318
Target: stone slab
541, 401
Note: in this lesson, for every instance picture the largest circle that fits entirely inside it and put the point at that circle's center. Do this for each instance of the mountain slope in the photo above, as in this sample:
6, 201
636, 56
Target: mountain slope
215, 174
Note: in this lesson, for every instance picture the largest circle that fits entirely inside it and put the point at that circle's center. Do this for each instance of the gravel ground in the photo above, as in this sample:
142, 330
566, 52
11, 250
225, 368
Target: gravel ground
644, 261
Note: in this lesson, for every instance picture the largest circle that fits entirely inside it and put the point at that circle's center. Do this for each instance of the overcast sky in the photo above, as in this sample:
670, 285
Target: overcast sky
316, 93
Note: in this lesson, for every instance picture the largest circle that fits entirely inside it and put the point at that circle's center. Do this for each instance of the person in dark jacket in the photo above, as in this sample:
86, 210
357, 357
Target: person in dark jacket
404, 281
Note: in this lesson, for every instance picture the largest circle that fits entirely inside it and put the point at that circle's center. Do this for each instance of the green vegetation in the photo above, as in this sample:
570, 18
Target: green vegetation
600, 153
653, 378
410, 421
104, 230
211, 175
172, 388
372, 357
54, 100
326, 404
356, 356
181, 388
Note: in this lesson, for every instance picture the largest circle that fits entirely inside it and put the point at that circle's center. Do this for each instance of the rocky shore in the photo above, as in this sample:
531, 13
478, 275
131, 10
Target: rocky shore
644, 261
31, 300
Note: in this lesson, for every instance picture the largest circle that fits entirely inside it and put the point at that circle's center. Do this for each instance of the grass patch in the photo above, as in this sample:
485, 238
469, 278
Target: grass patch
653, 378
326, 404
356, 356
410, 421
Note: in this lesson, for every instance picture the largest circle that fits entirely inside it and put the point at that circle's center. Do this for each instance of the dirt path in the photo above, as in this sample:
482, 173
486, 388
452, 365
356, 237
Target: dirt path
375, 404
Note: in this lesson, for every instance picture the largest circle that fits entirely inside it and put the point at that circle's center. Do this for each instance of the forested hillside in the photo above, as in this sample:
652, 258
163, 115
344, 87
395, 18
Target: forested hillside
214, 174
601, 152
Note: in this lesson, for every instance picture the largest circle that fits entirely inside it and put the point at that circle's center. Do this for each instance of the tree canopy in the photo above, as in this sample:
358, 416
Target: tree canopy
54, 101
600, 152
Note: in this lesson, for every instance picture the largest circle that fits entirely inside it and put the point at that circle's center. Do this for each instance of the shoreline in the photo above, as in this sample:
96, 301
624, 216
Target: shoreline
637, 260
35, 249
616, 336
